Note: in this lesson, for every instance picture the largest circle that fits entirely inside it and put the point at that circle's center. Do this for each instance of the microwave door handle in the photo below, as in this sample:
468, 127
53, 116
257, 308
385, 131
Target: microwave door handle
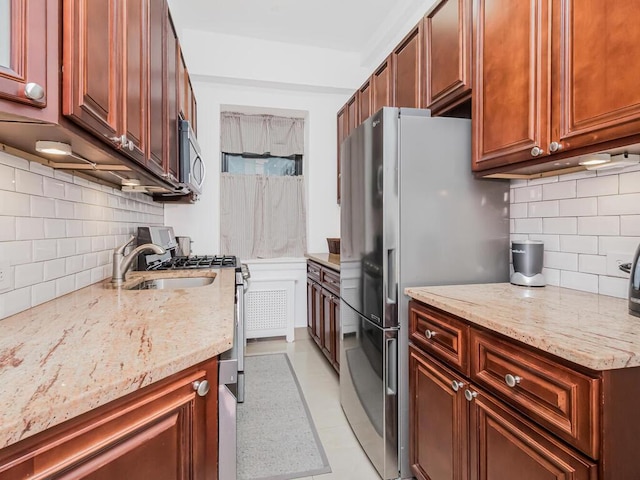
203, 170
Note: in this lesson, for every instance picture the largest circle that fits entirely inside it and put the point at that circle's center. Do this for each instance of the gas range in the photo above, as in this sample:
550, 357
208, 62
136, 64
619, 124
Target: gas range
194, 262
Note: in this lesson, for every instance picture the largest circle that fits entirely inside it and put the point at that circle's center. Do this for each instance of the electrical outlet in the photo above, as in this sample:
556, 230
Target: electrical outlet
614, 260
5, 276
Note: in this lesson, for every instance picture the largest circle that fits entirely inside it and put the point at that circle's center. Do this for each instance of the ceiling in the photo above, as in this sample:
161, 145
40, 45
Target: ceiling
347, 25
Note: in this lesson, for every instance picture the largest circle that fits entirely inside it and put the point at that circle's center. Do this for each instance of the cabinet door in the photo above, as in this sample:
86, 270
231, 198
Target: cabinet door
135, 82
318, 332
342, 128
504, 447
310, 307
364, 101
407, 70
353, 116
335, 325
382, 87
157, 114
597, 94
171, 93
90, 66
327, 331
448, 31
23, 50
438, 419
512, 87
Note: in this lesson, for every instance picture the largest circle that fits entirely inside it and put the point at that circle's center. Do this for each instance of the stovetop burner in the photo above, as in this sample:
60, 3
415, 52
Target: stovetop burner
196, 261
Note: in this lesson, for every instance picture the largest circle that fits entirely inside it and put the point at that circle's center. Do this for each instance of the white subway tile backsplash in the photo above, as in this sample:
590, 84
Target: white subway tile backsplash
561, 261
40, 169
27, 182
7, 178
528, 194
83, 279
72, 192
568, 226
73, 264
628, 204
64, 209
16, 301
65, 285
579, 281
62, 175
54, 269
599, 226
528, 225
16, 253
28, 274
89, 261
614, 287
543, 209
617, 244
630, 182
7, 228
595, 187
55, 228
543, 180
97, 244
595, 264
97, 274
66, 247
83, 245
74, 228
54, 187
13, 161
42, 207
13, 203
551, 242
551, 276
578, 207
579, 244
560, 190
43, 292
44, 250
630, 225
29, 228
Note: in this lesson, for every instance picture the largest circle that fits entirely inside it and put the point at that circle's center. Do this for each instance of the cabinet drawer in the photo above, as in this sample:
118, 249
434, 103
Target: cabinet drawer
331, 281
557, 397
313, 271
442, 335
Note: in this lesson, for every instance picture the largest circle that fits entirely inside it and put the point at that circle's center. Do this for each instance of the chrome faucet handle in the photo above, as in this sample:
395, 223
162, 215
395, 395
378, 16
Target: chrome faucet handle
120, 250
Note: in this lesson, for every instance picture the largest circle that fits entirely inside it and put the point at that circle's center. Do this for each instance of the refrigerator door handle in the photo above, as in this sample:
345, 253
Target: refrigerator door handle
392, 366
392, 282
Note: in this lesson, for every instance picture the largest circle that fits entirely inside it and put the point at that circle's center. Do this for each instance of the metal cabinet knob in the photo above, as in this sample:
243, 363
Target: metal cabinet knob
536, 151
512, 380
130, 145
554, 146
456, 385
34, 91
470, 394
429, 333
201, 387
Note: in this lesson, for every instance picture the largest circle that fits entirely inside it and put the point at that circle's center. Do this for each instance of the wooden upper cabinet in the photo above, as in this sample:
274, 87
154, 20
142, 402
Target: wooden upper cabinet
512, 81
186, 97
171, 96
382, 86
157, 113
90, 66
364, 101
28, 58
408, 67
448, 29
353, 115
341, 123
596, 97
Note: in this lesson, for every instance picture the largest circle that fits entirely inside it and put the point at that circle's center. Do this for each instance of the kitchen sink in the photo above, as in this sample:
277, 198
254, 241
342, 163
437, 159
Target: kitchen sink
171, 283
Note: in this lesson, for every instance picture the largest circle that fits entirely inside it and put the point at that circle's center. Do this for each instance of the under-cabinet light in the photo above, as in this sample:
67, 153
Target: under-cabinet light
617, 161
597, 159
53, 148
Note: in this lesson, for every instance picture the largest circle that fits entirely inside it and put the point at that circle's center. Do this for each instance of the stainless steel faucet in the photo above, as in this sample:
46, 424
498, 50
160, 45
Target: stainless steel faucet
122, 263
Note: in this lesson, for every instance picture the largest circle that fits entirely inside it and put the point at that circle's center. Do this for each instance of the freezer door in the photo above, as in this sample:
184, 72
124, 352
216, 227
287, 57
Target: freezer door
369, 389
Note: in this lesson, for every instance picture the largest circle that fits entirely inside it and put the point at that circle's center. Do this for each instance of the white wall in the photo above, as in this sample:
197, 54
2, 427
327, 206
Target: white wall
58, 231
587, 221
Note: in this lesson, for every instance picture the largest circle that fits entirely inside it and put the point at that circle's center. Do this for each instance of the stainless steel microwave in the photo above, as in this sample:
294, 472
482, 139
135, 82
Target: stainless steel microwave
192, 167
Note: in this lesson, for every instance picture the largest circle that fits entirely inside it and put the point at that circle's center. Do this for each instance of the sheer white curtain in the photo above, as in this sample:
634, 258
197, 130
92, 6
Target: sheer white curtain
262, 216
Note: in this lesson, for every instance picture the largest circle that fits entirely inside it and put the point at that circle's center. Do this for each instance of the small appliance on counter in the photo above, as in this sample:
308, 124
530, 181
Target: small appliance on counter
634, 283
527, 258
184, 246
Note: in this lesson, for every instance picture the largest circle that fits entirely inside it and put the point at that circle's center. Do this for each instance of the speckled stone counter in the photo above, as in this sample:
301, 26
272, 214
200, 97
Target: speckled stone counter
595, 331
329, 260
85, 349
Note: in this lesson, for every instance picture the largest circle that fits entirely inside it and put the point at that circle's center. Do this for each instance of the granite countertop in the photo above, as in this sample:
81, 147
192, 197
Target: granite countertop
329, 260
595, 331
87, 348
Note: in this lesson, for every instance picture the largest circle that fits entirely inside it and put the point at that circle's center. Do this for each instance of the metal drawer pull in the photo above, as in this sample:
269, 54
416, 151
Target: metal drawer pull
429, 333
202, 388
456, 385
512, 380
470, 394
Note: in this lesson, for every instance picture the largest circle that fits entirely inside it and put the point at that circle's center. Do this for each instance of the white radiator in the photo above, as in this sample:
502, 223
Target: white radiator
269, 309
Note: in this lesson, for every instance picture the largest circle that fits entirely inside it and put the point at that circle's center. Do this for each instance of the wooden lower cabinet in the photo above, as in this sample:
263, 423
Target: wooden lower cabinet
165, 431
323, 310
462, 433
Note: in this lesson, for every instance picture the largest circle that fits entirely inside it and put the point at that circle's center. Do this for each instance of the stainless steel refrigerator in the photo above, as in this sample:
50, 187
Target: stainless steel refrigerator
411, 214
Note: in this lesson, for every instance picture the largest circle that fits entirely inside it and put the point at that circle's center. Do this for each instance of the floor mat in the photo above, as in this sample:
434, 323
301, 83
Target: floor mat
276, 436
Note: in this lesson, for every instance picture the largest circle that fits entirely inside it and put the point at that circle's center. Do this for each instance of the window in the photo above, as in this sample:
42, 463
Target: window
262, 165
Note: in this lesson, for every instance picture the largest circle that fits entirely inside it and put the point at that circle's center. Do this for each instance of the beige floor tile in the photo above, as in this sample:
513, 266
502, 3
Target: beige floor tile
320, 385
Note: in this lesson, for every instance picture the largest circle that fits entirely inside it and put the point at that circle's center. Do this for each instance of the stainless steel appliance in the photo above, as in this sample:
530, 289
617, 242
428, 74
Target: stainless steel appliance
411, 214
231, 363
184, 246
192, 167
634, 283
527, 258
